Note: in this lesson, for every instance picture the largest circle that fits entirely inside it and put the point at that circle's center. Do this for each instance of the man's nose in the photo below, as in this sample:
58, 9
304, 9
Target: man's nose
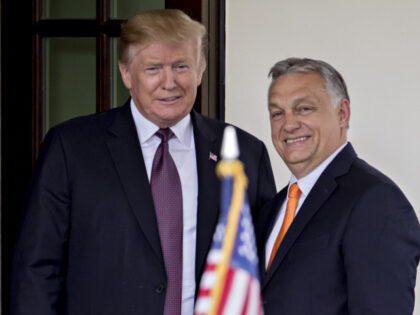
168, 79
291, 122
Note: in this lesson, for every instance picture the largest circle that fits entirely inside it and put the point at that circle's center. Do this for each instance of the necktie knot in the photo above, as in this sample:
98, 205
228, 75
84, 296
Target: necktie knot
165, 134
294, 191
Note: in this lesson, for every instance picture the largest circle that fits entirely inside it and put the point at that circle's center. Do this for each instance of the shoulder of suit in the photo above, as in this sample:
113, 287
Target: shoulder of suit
219, 126
95, 118
86, 124
360, 177
370, 174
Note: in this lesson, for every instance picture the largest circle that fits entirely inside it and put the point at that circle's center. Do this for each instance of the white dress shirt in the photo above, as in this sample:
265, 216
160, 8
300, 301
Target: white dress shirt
182, 150
305, 185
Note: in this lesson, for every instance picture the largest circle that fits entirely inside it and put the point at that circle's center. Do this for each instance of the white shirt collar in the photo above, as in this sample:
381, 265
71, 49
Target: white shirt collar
307, 182
146, 129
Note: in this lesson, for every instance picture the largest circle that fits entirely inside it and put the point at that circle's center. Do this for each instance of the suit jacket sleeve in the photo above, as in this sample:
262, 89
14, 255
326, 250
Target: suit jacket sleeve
266, 184
38, 266
262, 177
381, 251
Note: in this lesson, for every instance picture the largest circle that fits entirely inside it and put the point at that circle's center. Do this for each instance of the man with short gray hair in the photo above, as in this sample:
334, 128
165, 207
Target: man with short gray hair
340, 238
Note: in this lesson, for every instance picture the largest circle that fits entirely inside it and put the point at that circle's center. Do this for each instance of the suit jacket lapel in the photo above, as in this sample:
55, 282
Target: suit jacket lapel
125, 150
267, 225
321, 191
208, 188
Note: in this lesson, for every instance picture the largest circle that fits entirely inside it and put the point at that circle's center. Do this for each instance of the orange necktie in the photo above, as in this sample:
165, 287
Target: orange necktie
294, 194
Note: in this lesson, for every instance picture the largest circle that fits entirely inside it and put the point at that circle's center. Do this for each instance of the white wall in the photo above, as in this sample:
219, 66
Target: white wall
374, 44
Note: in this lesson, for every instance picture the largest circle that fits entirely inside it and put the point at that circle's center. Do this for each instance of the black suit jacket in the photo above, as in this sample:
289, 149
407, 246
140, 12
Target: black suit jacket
89, 241
353, 248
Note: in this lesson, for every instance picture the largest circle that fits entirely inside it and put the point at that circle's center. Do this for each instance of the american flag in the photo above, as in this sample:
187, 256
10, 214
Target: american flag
212, 157
230, 283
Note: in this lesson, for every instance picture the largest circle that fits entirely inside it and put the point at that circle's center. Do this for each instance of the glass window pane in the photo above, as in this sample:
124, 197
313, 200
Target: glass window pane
70, 79
122, 9
69, 9
119, 93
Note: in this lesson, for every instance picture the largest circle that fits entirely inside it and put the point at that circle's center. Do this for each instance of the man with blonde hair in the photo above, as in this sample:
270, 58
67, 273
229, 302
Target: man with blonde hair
123, 204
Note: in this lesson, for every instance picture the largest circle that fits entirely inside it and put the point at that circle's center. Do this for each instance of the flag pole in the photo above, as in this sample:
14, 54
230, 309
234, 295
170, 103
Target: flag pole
229, 166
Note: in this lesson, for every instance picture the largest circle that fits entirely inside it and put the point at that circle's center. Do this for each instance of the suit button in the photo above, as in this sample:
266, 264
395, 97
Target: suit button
160, 288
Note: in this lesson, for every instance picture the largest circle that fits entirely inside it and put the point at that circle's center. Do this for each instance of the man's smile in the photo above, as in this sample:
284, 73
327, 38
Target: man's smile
296, 140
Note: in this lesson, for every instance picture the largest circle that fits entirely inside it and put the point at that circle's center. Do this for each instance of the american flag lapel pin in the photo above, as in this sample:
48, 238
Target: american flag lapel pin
213, 157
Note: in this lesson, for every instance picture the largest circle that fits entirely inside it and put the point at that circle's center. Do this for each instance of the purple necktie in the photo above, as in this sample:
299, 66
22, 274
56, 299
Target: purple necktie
167, 197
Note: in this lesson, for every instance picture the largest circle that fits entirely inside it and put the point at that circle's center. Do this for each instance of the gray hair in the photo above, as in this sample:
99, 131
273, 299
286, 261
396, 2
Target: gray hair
334, 82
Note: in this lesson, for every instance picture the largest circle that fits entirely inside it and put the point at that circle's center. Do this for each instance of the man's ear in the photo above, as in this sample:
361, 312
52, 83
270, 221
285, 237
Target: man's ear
201, 68
344, 112
125, 74
199, 78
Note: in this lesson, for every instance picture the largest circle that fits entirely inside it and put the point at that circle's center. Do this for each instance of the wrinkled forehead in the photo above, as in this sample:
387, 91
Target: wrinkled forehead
296, 81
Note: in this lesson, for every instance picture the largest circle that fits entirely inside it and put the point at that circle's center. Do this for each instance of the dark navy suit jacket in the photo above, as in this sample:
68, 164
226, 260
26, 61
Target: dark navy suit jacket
353, 248
89, 241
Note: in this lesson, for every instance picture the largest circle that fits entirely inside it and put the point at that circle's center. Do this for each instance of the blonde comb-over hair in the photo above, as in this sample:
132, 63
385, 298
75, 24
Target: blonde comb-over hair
169, 25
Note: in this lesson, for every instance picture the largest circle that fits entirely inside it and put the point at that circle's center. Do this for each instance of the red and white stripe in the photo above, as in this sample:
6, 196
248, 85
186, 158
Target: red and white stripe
241, 292
208, 281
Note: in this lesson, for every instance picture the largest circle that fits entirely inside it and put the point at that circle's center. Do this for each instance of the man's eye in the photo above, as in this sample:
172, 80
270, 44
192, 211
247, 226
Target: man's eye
276, 115
305, 109
181, 67
151, 70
